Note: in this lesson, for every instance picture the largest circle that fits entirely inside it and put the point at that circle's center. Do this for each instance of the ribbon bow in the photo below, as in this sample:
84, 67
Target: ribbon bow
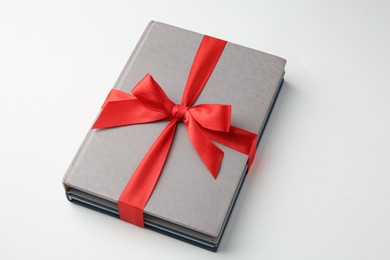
147, 102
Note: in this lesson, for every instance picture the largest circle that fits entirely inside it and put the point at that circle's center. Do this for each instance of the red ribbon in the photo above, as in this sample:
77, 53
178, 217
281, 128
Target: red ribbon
147, 102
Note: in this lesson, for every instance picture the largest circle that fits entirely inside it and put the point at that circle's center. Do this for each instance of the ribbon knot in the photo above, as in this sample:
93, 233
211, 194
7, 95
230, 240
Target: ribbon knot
205, 123
178, 111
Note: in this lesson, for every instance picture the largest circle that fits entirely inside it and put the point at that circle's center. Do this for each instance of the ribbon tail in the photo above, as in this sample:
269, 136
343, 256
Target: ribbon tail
237, 139
141, 184
210, 154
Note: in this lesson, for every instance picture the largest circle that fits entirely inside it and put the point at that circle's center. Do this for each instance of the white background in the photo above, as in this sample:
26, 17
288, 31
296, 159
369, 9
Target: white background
320, 185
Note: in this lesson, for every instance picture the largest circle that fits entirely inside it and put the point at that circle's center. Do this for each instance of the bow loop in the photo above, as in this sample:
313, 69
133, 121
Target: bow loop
149, 92
212, 116
121, 108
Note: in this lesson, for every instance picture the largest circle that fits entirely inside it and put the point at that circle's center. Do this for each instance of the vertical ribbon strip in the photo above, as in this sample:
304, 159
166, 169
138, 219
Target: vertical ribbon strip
147, 102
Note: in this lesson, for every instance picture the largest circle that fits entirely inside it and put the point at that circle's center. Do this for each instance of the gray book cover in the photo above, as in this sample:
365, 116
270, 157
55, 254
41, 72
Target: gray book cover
187, 201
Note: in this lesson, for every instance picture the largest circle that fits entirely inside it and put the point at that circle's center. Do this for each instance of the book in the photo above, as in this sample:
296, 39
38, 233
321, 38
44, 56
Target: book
187, 202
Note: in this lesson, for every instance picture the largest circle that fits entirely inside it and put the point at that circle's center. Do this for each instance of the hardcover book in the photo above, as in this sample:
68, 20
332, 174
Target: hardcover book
187, 202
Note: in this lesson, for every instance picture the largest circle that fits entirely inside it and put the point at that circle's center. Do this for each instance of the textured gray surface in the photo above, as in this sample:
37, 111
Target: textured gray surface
186, 193
319, 187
